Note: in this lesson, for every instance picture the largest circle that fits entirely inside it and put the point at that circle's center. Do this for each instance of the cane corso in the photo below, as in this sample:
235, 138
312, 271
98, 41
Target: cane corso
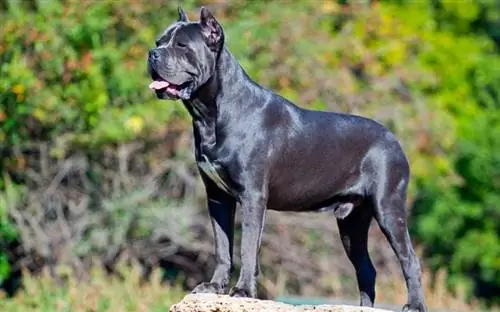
256, 149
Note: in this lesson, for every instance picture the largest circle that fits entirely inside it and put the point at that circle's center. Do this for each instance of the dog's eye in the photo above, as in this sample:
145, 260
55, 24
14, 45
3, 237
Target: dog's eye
181, 45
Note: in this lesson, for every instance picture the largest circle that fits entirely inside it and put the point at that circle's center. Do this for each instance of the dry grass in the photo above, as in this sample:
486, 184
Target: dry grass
100, 293
391, 289
391, 293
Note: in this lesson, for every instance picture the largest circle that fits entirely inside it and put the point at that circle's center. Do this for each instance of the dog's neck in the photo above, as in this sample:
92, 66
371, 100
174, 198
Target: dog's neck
213, 102
228, 78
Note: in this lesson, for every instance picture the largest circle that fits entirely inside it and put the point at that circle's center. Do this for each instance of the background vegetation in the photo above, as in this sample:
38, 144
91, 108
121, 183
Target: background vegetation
95, 171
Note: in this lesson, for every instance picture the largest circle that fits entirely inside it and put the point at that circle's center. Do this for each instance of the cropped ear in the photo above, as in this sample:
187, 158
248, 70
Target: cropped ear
211, 29
182, 15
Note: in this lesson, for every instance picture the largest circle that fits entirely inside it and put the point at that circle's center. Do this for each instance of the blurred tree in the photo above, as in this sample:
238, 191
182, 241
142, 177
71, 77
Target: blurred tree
458, 222
477, 16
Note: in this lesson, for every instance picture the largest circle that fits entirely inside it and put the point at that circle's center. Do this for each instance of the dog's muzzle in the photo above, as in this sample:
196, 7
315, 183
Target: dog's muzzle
164, 87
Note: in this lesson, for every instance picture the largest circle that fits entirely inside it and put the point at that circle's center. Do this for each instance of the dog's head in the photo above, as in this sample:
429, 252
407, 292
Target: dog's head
185, 56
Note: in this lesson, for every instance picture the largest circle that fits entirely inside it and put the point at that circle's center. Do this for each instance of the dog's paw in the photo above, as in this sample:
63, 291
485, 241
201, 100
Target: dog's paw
412, 308
208, 288
240, 292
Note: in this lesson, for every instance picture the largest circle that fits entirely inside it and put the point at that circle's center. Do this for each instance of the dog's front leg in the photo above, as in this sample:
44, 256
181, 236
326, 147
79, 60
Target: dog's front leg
253, 207
221, 208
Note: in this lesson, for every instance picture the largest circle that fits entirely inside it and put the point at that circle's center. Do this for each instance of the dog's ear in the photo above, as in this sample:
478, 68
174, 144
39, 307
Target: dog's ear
211, 29
182, 15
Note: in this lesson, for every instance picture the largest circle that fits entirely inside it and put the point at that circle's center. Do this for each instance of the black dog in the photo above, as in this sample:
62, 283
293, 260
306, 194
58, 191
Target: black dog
257, 149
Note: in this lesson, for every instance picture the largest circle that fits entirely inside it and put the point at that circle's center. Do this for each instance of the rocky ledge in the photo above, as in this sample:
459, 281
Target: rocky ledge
223, 303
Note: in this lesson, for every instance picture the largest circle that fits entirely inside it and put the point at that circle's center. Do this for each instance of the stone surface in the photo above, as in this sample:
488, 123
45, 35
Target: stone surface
223, 303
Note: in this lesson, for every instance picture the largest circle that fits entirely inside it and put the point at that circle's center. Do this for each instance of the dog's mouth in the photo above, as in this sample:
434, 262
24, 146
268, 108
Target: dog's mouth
165, 86
162, 86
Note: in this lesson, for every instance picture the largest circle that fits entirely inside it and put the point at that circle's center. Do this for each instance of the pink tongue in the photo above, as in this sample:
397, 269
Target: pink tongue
157, 85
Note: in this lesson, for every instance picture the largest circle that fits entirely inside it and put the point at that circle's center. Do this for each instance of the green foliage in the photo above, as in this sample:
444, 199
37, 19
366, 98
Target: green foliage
457, 219
478, 16
80, 77
460, 224
8, 232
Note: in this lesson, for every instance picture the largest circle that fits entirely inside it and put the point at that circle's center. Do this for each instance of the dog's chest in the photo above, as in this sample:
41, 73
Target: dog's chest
215, 172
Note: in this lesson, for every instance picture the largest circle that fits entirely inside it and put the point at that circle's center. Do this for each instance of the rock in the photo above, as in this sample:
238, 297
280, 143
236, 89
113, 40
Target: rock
224, 303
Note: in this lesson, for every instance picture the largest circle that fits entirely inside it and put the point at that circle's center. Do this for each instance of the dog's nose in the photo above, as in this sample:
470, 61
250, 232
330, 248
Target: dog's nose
153, 54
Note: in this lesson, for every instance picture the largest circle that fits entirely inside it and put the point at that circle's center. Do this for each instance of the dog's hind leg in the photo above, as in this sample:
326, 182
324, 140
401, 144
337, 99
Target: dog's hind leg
354, 234
391, 217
